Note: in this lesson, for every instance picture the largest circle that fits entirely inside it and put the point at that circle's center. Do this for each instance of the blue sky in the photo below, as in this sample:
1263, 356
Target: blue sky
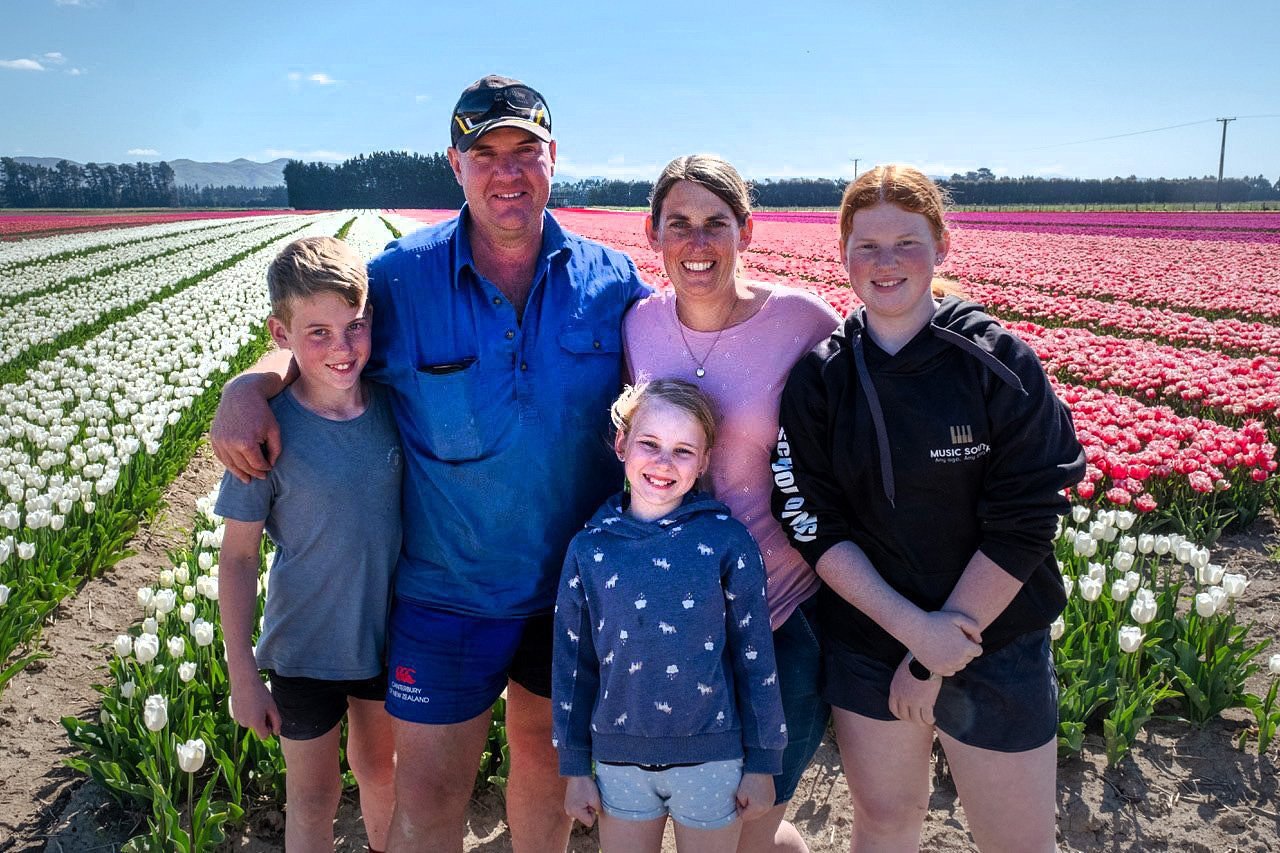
779, 88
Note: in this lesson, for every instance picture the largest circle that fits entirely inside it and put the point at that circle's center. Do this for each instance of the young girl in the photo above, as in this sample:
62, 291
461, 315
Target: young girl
664, 672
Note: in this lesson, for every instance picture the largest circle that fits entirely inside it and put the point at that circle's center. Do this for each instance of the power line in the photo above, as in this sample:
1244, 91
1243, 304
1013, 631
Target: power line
1133, 133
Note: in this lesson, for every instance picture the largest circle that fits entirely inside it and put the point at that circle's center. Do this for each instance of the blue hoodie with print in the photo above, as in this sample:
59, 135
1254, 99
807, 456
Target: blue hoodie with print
663, 653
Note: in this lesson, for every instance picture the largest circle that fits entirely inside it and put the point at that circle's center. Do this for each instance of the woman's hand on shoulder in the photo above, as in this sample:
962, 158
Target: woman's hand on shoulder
582, 799
945, 641
911, 699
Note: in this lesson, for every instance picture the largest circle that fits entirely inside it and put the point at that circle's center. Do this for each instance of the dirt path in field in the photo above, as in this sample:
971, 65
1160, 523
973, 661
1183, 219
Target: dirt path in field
1181, 790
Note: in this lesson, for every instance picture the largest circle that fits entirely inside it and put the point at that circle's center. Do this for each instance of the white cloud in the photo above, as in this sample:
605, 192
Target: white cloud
294, 154
421, 99
21, 65
318, 77
55, 57
143, 152
82, 3
74, 72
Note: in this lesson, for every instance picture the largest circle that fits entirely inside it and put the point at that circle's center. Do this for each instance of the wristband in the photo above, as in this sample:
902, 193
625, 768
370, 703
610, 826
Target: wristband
918, 670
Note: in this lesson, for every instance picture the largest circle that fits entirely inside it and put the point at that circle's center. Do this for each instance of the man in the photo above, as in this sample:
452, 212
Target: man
498, 335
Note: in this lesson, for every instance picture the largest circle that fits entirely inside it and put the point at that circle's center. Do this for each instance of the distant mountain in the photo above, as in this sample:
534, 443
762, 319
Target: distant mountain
237, 173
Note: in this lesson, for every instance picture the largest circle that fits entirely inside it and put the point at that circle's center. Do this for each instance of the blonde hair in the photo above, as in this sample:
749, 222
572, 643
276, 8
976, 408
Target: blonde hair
908, 188
685, 396
313, 265
710, 172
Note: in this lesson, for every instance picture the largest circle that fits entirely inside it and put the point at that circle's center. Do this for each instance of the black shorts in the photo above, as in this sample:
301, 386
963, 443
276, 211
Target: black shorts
311, 707
1005, 700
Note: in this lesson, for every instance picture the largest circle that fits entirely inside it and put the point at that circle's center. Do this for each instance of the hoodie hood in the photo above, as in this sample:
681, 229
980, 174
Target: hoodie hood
956, 323
612, 517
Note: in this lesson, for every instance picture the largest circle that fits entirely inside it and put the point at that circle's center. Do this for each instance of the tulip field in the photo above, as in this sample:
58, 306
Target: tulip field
1161, 331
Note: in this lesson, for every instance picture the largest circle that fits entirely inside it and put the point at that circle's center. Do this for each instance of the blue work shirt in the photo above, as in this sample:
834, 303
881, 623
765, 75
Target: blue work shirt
504, 423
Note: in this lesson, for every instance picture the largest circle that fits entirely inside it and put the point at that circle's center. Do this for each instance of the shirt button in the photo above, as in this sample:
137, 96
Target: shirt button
510, 334
524, 366
497, 300
596, 344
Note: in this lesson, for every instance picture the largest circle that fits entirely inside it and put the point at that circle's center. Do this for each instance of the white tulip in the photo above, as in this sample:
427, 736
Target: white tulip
1199, 557
1161, 545
1079, 514
1219, 596
155, 712
1127, 545
4, 594
1205, 605
1146, 543
202, 632
177, 646
205, 560
150, 626
127, 689
1130, 638
1184, 553
189, 593
26, 550
1098, 572
1056, 628
1273, 664
1210, 573
1119, 590
166, 578
181, 574
1068, 584
1143, 609
145, 594
1234, 584
1132, 580
1090, 588
186, 671
164, 601
1082, 544
146, 647
1122, 561
123, 645
190, 755
187, 612
1125, 519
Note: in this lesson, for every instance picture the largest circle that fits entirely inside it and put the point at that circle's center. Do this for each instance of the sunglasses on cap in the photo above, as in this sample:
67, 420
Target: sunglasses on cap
477, 108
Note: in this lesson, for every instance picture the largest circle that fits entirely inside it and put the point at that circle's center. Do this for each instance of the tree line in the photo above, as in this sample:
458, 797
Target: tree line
380, 179
93, 185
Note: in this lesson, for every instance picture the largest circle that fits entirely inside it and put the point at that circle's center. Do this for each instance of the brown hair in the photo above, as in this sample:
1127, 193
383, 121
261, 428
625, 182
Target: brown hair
313, 265
685, 396
709, 172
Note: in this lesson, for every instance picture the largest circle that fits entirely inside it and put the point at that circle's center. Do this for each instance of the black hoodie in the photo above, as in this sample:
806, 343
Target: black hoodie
953, 444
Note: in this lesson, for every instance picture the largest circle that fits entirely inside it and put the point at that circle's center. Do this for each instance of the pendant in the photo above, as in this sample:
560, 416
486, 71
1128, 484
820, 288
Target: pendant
700, 373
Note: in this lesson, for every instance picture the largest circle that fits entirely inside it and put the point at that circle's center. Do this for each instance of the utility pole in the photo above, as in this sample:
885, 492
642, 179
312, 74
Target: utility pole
1222, 156
855, 168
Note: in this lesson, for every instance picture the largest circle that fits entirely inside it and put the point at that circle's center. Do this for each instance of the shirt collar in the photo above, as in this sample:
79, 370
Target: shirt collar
554, 243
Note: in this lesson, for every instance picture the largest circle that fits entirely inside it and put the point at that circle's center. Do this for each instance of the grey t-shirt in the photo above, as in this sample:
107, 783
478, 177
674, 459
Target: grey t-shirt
332, 508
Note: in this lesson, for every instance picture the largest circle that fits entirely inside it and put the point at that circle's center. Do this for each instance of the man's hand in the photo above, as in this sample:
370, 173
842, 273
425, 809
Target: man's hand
911, 699
253, 707
242, 425
945, 642
582, 799
755, 795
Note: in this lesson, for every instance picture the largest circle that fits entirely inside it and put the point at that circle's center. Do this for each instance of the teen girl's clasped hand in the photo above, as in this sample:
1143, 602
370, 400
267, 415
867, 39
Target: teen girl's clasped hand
664, 675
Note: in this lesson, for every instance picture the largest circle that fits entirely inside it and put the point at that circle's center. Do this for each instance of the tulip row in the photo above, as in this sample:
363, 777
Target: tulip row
19, 224
22, 280
16, 254
1150, 626
1195, 381
88, 437
42, 322
1179, 220
1145, 232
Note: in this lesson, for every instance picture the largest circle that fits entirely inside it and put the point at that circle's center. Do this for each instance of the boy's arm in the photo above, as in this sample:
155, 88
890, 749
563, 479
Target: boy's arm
251, 702
244, 422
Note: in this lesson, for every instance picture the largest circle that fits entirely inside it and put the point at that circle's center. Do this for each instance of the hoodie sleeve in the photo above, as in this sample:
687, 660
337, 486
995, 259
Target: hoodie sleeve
750, 647
807, 500
575, 674
1034, 456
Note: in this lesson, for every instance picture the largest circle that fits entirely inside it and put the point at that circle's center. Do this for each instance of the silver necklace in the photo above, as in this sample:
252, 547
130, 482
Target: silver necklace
700, 369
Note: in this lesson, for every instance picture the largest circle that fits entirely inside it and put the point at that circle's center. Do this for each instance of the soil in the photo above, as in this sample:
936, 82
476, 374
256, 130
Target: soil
1182, 789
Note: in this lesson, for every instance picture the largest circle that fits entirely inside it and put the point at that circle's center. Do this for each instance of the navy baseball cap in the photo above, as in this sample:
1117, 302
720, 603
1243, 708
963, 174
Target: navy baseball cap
492, 102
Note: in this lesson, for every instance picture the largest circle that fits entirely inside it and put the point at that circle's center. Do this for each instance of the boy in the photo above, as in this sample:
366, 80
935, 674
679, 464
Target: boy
331, 505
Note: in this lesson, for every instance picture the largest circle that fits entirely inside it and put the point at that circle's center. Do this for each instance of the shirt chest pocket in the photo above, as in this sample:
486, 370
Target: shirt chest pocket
591, 356
446, 414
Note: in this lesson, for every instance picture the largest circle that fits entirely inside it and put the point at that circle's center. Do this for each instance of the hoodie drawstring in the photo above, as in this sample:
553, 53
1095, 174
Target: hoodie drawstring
877, 416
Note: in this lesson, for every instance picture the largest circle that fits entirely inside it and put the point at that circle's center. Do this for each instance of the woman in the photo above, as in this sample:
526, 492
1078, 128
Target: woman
929, 453
736, 339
